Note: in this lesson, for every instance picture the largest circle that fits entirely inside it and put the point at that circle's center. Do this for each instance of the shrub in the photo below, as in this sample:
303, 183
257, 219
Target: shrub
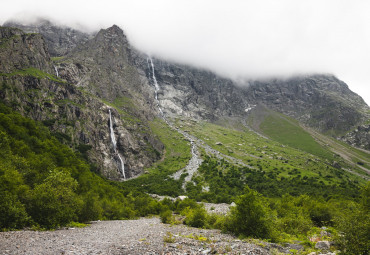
166, 216
196, 217
251, 216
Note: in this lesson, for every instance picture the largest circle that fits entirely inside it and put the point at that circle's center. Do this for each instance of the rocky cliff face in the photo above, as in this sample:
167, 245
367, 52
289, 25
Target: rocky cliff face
109, 67
195, 93
77, 117
60, 40
19, 50
320, 101
359, 137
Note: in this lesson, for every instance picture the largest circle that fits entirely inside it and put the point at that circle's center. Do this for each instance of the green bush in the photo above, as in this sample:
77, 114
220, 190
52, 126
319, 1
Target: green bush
251, 216
166, 216
196, 218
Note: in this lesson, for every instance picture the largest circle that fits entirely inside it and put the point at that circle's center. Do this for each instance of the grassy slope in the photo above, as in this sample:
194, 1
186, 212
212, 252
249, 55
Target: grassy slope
32, 72
266, 154
287, 131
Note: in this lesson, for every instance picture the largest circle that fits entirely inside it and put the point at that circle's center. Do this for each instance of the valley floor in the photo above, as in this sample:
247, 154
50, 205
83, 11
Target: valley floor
142, 236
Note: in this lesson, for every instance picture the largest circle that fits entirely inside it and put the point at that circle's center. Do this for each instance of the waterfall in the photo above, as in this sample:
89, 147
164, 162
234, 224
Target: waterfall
156, 86
56, 71
114, 142
112, 137
195, 161
122, 166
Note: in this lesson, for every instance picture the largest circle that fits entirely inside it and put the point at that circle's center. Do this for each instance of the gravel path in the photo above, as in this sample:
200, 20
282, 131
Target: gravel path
143, 236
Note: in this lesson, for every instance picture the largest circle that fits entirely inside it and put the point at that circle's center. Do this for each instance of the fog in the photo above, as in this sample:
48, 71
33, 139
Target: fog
235, 38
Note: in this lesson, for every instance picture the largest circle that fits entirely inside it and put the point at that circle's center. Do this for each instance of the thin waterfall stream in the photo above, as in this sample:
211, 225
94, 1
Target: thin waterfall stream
114, 143
195, 160
56, 71
156, 87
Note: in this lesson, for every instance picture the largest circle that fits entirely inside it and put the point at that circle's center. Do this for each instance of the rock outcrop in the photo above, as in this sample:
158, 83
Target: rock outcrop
359, 137
59, 39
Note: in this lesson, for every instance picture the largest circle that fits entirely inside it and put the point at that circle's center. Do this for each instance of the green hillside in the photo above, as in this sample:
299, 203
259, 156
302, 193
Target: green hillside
43, 183
288, 131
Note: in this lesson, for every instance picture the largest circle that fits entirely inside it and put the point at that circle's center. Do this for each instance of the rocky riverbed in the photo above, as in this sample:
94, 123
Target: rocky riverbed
142, 236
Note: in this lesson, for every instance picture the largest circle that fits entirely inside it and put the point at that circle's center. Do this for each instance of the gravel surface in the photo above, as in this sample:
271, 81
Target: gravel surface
143, 236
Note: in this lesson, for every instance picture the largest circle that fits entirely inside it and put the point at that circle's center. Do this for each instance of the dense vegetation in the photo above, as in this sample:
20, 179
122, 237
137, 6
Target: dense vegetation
43, 183
226, 181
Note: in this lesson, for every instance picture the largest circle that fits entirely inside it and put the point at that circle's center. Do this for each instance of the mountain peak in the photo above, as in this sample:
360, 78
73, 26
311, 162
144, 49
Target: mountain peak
113, 32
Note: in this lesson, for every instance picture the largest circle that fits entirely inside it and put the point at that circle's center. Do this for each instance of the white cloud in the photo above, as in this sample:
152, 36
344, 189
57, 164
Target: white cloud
235, 37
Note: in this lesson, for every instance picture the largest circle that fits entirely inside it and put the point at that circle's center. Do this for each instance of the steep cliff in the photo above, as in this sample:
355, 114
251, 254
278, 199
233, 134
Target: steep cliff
29, 85
59, 39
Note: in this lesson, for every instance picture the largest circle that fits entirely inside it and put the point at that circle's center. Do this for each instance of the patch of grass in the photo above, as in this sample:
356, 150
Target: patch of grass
68, 101
287, 131
56, 59
77, 225
177, 149
125, 115
33, 72
169, 238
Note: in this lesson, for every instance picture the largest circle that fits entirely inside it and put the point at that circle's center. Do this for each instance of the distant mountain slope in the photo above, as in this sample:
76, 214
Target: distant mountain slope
320, 101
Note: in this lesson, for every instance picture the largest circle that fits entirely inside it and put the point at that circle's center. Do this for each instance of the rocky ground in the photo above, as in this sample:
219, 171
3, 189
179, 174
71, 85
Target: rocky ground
143, 236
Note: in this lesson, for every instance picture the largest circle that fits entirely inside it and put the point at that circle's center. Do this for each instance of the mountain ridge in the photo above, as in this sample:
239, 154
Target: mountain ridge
109, 68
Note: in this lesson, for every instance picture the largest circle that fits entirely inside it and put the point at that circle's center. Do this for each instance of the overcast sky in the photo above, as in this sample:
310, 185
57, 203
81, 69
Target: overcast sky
236, 38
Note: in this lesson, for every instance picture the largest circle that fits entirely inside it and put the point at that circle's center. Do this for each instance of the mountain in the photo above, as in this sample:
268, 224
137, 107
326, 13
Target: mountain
94, 105
91, 74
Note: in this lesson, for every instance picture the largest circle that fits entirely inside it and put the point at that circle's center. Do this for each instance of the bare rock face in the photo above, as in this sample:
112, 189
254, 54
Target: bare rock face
359, 137
60, 40
195, 93
20, 50
322, 245
319, 101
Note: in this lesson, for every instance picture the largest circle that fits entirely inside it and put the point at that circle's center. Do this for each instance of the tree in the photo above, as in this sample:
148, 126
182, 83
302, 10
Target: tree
53, 203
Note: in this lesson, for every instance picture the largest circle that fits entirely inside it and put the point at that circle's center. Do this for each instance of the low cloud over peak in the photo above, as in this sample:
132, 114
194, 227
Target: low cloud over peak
238, 38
